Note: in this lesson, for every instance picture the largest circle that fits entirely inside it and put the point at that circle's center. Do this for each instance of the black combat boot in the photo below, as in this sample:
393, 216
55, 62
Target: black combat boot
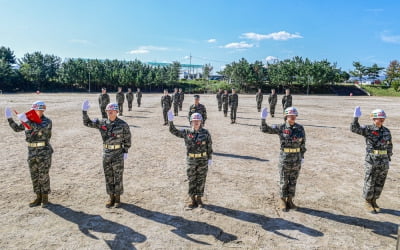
375, 205
117, 201
45, 200
37, 201
283, 205
192, 204
369, 206
111, 201
290, 203
199, 201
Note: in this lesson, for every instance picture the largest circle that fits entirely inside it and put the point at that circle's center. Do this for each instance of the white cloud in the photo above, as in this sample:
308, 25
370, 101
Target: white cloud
281, 35
146, 49
240, 45
80, 41
139, 51
212, 40
186, 57
390, 39
150, 47
271, 58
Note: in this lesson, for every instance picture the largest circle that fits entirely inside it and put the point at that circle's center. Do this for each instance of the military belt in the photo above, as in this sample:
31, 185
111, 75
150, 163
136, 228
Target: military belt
36, 144
197, 155
108, 146
379, 152
291, 150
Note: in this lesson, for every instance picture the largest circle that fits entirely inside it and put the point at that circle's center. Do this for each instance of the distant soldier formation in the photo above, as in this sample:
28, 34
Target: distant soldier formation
116, 136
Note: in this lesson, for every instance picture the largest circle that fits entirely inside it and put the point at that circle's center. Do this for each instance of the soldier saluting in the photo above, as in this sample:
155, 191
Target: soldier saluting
104, 100
116, 137
378, 155
199, 156
293, 146
38, 136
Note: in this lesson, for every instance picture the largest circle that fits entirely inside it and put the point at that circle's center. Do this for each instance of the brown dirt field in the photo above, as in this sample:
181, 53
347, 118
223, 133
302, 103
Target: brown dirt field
241, 189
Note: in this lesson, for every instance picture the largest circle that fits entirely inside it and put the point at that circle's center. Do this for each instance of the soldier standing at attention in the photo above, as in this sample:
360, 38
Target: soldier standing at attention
286, 102
129, 99
104, 100
116, 137
181, 98
198, 156
166, 103
233, 103
197, 107
138, 97
272, 100
259, 99
293, 140
39, 150
175, 101
219, 99
120, 98
225, 102
379, 153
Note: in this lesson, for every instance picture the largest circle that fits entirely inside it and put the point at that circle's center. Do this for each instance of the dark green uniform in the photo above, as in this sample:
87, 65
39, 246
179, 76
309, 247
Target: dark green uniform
175, 101
293, 141
129, 99
201, 109
139, 98
39, 152
259, 100
225, 103
286, 102
378, 154
272, 100
166, 103
233, 103
120, 98
219, 100
104, 100
116, 137
198, 152
181, 99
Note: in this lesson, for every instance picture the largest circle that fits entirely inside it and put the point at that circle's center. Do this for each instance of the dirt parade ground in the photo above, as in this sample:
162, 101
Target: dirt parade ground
242, 184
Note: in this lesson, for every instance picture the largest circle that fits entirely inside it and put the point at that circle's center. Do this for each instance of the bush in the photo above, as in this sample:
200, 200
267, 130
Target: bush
395, 85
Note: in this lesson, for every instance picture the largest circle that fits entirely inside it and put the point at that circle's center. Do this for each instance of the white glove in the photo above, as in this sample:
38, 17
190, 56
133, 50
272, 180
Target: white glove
302, 161
264, 113
170, 116
209, 163
125, 156
85, 105
8, 113
22, 117
357, 112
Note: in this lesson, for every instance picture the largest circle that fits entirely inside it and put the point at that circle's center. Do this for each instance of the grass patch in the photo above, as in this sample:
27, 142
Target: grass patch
381, 91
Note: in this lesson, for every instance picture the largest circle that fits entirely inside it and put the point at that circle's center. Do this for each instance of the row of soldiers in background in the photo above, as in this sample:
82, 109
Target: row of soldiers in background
224, 100
104, 100
273, 99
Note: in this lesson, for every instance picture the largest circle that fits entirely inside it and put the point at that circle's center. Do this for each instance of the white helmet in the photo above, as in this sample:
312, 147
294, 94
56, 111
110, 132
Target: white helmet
196, 117
112, 106
291, 111
378, 113
38, 105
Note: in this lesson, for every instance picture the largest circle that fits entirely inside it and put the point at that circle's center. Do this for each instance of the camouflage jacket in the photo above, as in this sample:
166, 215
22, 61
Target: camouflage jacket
287, 101
38, 133
115, 132
198, 109
233, 100
120, 98
129, 97
104, 99
176, 97
225, 98
196, 141
166, 102
290, 136
259, 97
138, 95
376, 138
272, 99
219, 96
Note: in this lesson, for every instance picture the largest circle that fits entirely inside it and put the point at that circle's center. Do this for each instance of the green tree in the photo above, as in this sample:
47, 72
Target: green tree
393, 71
359, 70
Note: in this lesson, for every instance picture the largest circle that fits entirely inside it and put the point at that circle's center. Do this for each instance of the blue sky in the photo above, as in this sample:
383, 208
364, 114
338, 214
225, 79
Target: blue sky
216, 32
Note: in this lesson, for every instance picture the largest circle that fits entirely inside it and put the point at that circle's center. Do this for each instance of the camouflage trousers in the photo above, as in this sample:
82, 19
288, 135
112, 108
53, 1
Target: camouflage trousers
289, 170
130, 105
103, 111
259, 104
272, 109
120, 108
225, 108
197, 174
39, 167
176, 108
219, 105
233, 112
139, 101
180, 106
165, 115
113, 166
375, 176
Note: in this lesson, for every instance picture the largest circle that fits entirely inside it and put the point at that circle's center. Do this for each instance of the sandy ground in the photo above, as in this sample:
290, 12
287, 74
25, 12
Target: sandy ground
241, 190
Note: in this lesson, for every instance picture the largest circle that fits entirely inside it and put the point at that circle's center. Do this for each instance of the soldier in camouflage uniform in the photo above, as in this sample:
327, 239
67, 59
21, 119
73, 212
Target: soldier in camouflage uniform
198, 156
166, 103
181, 98
293, 140
219, 99
259, 99
138, 97
225, 102
286, 102
378, 155
129, 99
104, 100
233, 103
120, 98
197, 107
175, 101
272, 100
116, 137
39, 149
